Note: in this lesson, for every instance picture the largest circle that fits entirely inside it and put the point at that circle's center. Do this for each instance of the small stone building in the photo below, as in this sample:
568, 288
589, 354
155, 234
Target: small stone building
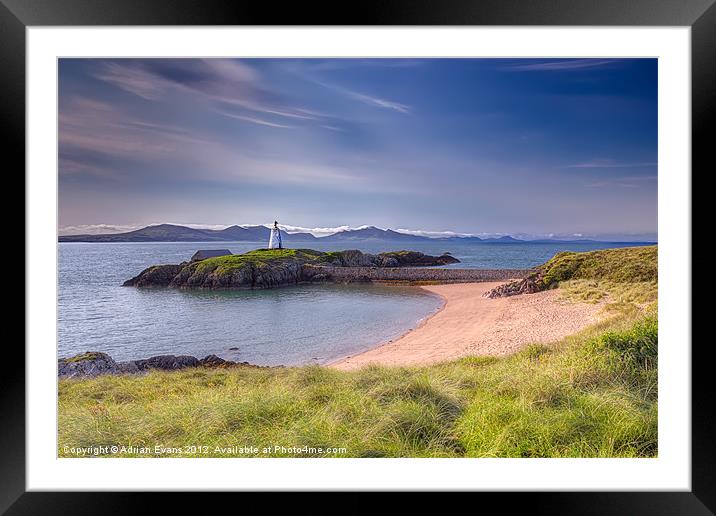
203, 254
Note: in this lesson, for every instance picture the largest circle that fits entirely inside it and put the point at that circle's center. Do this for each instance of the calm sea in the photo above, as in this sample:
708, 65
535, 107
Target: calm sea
289, 326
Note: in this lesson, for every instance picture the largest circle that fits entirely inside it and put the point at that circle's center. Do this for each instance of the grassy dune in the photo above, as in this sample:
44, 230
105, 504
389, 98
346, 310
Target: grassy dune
590, 395
621, 265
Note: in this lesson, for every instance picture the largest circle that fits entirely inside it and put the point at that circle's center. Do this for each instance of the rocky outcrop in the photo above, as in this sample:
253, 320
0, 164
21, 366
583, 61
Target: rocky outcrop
167, 362
355, 258
414, 259
94, 363
157, 276
267, 268
262, 275
524, 286
87, 365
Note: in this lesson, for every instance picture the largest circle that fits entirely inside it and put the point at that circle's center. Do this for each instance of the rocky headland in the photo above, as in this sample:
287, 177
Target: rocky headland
267, 268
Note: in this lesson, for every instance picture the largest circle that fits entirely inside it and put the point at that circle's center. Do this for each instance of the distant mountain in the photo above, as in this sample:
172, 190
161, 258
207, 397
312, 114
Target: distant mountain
475, 240
258, 234
292, 237
372, 233
503, 240
174, 233
468, 239
159, 233
589, 241
491, 240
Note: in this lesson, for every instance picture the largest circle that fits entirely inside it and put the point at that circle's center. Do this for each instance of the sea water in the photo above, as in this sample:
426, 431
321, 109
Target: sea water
283, 326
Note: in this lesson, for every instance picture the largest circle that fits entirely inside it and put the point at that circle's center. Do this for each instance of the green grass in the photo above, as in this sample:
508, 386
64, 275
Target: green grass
259, 259
89, 355
594, 291
593, 394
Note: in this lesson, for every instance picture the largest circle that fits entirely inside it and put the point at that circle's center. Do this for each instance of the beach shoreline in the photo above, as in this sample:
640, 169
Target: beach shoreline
470, 324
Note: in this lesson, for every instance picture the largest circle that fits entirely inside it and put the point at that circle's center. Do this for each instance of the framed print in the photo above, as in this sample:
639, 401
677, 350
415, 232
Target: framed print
430, 248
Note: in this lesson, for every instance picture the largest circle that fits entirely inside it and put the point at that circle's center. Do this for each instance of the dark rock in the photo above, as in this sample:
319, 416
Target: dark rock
528, 285
355, 258
86, 365
233, 349
414, 259
167, 362
315, 273
214, 361
277, 274
447, 258
94, 363
156, 276
388, 261
129, 367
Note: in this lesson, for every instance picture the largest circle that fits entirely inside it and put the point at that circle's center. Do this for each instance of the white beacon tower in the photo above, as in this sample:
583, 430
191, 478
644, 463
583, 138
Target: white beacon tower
275, 237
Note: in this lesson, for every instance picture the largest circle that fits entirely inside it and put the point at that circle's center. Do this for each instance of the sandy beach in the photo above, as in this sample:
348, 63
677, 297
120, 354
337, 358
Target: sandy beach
470, 324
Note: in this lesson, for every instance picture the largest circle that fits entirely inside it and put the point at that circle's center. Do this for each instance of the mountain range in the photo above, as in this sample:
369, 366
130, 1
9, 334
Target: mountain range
173, 233
176, 233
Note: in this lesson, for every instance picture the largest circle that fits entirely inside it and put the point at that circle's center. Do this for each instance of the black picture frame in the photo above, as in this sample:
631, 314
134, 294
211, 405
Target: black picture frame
700, 15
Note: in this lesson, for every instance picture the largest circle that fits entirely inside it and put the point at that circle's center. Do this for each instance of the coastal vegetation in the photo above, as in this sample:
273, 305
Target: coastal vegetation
624, 265
590, 276
627, 277
593, 394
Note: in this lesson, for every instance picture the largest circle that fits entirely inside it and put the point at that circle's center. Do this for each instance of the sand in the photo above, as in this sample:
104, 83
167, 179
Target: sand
470, 324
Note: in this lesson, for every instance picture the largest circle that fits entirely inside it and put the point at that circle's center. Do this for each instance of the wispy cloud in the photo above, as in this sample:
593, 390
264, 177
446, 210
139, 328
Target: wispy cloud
318, 65
133, 79
432, 234
301, 114
92, 133
78, 169
561, 65
365, 98
607, 163
223, 82
100, 128
254, 120
315, 231
611, 184
213, 78
382, 103
623, 182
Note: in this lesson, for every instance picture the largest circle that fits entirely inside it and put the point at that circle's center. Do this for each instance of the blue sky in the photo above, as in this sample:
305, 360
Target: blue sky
518, 146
